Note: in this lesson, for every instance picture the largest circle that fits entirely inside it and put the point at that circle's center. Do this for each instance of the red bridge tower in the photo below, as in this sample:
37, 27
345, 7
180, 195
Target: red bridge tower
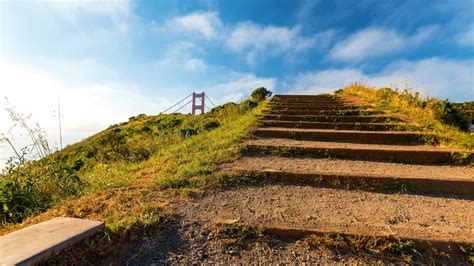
198, 102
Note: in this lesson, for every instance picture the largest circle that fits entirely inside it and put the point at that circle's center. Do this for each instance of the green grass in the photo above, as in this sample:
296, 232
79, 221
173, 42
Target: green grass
440, 119
127, 170
404, 249
238, 235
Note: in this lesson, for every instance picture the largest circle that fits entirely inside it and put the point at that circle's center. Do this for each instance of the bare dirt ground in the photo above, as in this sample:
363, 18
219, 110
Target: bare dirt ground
193, 238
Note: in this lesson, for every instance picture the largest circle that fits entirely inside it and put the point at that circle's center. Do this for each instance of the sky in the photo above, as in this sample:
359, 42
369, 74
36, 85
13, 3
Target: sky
105, 61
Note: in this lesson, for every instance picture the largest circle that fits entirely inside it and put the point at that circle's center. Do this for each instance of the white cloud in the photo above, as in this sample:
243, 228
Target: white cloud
250, 39
466, 38
73, 8
82, 12
206, 24
194, 64
376, 42
241, 85
434, 77
233, 97
246, 82
325, 81
253, 40
179, 56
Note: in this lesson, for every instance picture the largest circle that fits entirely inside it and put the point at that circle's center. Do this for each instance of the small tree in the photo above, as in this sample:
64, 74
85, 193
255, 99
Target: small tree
260, 94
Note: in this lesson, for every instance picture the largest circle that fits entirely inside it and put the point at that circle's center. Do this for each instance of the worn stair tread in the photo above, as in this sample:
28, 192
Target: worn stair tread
322, 112
353, 168
289, 143
418, 154
347, 212
335, 117
316, 107
307, 124
304, 95
336, 131
335, 135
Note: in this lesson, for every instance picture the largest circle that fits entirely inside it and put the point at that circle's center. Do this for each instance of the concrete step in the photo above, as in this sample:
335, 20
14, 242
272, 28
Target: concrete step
321, 112
432, 223
35, 243
313, 107
331, 125
296, 96
308, 101
365, 175
332, 118
389, 153
353, 136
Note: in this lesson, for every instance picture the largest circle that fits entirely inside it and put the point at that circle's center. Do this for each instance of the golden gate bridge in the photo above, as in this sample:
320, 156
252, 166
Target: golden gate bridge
197, 101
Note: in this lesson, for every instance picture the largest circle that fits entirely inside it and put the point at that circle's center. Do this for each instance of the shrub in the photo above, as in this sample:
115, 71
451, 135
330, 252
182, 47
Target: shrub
138, 155
146, 129
188, 132
246, 106
260, 94
211, 125
24, 191
449, 114
169, 122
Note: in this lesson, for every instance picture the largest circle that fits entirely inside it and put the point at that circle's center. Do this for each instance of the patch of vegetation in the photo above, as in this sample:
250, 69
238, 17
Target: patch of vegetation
468, 252
239, 235
440, 119
405, 249
260, 94
131, 213
467, 108
120, 173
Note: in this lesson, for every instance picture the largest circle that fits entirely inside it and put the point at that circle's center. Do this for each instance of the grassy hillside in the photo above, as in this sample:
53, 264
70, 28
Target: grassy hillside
120, 175
444, 121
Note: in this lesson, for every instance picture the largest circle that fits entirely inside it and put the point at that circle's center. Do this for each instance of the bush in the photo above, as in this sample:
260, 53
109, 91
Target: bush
211, 125
138, 155
246, 106
24, 192
260, 94
169, 122
451, 115
146, 129
188, 132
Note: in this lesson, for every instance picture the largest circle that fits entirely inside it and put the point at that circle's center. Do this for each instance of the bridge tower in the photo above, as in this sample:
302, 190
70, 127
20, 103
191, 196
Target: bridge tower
198, 102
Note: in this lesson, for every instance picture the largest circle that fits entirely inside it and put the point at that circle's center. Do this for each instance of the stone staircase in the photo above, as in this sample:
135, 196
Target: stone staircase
353, 170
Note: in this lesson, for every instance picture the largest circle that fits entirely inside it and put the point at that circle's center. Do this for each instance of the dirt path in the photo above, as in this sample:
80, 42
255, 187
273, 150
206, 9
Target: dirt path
342, 211
194, 238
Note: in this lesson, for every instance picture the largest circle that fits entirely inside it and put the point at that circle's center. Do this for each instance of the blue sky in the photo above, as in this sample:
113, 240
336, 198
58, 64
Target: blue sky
108, 60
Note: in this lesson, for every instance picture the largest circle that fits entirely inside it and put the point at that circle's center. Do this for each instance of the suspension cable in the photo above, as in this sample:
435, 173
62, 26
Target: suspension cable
183, 106
178, 103
210, 100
